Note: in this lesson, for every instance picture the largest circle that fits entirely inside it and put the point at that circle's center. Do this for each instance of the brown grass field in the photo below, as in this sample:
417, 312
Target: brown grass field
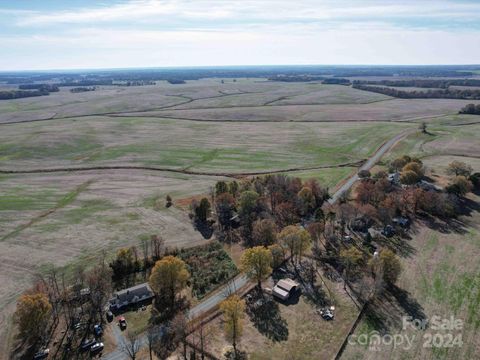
302, 129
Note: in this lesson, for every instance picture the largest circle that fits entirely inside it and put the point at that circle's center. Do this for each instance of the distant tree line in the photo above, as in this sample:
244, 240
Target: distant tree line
176, 81
470, 94
135, 83
106, 77
43, 87
471, 109
82, 89
86, 82
422, 83
296, 78
336, 81
18, 94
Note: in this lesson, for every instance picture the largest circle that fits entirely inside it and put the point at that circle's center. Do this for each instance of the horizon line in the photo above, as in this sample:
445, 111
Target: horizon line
193, 67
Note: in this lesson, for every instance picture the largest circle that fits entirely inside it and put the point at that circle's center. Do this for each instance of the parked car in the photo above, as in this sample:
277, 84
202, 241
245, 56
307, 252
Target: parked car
327, 314
388, 231
402, 221
42, 354
87, 344
96, 348
97, 330
122, 323
109, 316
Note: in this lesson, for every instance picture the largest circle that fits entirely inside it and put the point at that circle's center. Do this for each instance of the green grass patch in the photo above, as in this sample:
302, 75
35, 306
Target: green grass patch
23, 199
86, 209
64, 201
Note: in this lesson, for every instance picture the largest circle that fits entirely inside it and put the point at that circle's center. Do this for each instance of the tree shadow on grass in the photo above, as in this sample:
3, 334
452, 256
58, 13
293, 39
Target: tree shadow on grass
409, 305
398, 245
265, 315
204, 228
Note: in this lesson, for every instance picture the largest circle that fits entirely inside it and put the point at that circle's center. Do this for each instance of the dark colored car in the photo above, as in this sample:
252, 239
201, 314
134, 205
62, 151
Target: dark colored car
42, 354
122, 323
109, 316
388, 231
87, 344
97, 330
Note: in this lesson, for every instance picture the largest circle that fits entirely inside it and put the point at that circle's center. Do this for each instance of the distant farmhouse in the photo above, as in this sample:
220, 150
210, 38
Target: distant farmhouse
133, 296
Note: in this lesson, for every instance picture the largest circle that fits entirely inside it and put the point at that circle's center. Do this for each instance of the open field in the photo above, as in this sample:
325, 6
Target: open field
172, 144
386, 110
67, 218
446, 136
193, 94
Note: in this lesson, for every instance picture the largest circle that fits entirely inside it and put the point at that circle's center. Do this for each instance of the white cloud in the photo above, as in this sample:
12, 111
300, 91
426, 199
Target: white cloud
98, 47
229, 32
255, 10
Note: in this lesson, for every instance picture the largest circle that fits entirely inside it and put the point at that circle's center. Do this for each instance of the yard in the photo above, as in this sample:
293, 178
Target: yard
291, 330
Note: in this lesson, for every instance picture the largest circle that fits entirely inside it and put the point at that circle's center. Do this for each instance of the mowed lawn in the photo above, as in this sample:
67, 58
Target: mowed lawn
176, 144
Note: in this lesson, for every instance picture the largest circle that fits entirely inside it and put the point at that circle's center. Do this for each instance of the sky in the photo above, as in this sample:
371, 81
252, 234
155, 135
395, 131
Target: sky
58, 34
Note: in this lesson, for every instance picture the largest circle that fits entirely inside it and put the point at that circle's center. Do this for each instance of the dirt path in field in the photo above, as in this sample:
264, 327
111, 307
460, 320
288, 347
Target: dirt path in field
347, 185
181, 171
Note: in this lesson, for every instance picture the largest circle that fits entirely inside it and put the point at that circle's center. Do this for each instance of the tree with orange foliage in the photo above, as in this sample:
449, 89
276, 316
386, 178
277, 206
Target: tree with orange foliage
32, 314
233, 309
169, 276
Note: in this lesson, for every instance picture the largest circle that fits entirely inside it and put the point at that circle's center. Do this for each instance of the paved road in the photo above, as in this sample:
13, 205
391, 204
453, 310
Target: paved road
208, 304
367, 166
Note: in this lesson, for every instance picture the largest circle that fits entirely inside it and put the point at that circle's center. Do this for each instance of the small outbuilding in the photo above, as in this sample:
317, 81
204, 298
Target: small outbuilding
284, 288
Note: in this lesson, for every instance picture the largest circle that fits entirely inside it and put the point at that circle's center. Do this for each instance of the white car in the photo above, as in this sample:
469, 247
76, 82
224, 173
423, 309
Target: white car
97, 347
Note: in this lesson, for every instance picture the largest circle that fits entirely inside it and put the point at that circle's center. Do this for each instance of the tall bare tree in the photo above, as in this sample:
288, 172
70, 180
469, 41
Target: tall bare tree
131, 345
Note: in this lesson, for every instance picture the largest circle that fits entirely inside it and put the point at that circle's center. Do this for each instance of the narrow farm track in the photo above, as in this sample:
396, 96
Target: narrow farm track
178, 171
347, 185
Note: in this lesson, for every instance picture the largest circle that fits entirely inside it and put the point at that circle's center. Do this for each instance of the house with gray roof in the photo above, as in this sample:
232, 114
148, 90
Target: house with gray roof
133, 296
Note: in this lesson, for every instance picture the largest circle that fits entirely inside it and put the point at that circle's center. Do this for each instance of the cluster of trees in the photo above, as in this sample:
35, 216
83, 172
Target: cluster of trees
82, 89
176, 81
128, 261
296, 78
464, 180
18, 94
135, 83
28, 90
53, 296
449, 93
42, 87
309, 77
380, 201
336, 81
421, 83
256, 209
471, 109
85, 82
